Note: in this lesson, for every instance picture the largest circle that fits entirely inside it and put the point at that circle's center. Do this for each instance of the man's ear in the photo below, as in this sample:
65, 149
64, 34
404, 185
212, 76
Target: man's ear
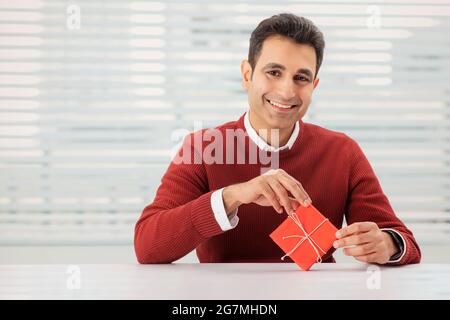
316, 82
246, 71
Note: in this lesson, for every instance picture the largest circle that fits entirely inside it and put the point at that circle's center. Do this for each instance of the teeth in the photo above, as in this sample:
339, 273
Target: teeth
279, 105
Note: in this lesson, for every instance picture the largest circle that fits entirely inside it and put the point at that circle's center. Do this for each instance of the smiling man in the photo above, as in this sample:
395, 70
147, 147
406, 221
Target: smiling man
226, 211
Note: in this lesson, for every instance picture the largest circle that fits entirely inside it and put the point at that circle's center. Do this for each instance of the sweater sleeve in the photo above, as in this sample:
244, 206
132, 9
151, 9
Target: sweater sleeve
180, 217
367, 202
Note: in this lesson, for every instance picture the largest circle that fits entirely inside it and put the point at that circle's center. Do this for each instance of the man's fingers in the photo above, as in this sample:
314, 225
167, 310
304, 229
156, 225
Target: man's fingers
285, 174
299, 194
353, 240
360, 250
270, 195
357, 227
368, 258
294, 203
282, 185
282, 195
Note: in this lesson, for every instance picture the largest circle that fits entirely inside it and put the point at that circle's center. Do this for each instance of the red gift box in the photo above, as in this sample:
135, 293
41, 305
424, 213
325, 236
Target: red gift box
305, 236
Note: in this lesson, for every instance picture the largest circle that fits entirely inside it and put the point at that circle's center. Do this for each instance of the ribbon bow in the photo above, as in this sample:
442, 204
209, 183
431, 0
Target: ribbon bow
306, 236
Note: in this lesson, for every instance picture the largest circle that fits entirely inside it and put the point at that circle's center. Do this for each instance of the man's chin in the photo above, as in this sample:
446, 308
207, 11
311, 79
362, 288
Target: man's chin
275, 120
277, 123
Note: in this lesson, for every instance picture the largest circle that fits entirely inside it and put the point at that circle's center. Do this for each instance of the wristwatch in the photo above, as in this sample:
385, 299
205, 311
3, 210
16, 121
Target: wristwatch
399, 242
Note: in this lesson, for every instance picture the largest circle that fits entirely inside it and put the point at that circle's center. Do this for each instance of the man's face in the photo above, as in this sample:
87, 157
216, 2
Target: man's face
283, 75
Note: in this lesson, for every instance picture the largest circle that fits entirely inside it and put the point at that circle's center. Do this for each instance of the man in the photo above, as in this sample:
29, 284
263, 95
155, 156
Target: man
227, 210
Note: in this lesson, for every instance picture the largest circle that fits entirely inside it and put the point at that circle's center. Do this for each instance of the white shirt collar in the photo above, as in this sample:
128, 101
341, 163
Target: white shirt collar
261, 143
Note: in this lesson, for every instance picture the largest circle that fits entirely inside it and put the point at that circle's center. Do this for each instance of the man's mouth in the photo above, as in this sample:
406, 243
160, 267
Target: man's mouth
281, 106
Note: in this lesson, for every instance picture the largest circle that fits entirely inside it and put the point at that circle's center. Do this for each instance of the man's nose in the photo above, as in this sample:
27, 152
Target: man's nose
287, 90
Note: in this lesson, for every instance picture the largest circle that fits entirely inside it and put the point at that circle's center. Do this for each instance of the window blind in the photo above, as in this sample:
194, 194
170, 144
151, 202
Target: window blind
92, 92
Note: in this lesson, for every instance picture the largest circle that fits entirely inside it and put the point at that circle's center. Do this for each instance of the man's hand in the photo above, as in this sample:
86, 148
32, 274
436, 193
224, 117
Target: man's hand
370, 244
275, 188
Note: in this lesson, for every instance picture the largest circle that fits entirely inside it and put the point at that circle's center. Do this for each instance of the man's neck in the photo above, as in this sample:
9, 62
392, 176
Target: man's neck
269, 136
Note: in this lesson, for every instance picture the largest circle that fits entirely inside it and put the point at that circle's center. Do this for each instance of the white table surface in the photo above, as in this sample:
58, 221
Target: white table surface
252, 281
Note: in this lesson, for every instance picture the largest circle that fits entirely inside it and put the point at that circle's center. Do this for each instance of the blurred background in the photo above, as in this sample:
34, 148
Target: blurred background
94, 95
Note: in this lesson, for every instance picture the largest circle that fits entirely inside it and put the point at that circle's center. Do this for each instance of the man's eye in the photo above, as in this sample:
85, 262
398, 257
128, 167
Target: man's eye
274, 73
301, 78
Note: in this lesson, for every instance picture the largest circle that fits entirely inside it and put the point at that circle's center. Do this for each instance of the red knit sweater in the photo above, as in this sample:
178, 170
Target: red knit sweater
331, 167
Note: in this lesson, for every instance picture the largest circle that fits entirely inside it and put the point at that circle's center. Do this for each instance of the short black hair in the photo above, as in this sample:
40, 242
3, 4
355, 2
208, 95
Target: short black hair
296, 28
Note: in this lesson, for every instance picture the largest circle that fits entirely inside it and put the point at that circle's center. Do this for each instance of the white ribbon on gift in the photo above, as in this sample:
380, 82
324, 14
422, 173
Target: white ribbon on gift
304, 237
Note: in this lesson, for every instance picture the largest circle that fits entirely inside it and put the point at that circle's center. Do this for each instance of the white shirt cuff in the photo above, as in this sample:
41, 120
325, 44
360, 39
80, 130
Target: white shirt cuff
220, 214
404, 244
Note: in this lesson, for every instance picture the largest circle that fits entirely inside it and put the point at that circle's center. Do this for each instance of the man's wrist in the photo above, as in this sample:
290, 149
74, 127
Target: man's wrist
230, 200
393, 248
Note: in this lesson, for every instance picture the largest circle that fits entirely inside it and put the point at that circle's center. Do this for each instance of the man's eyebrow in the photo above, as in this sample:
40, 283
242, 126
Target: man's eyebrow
273, 65
305, 71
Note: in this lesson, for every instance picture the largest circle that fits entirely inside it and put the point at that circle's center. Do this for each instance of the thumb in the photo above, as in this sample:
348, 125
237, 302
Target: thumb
294, 203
